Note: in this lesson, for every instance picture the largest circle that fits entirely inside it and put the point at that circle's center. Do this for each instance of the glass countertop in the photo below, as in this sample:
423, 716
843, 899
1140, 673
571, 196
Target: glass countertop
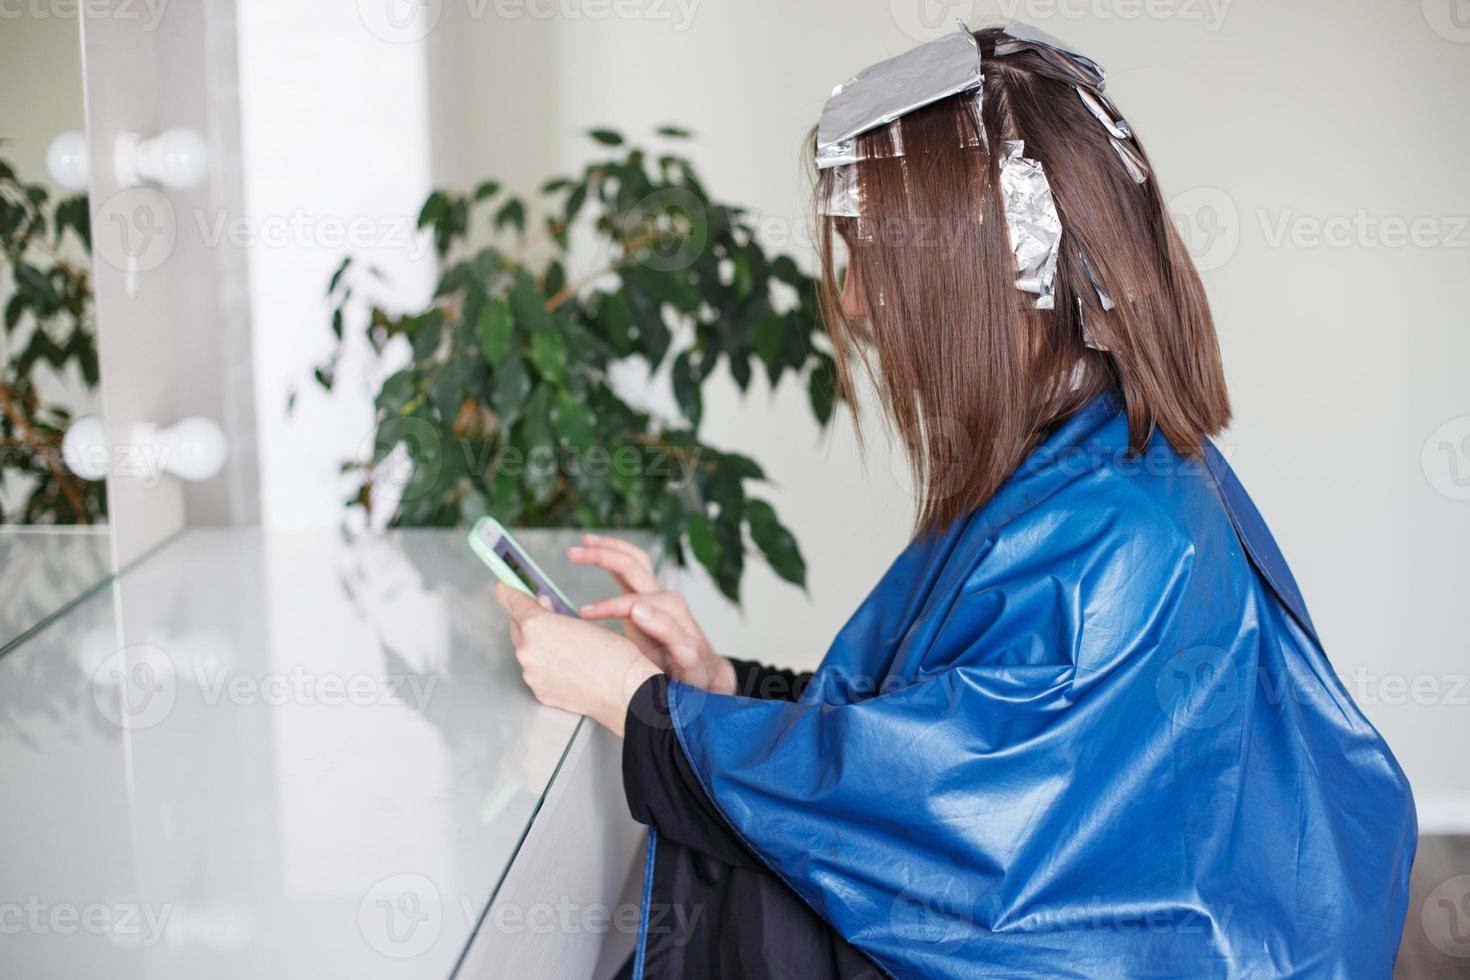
271, 755
45, 568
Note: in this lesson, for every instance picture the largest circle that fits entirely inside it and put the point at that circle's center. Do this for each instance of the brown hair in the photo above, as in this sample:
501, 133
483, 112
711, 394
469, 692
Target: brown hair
971, 375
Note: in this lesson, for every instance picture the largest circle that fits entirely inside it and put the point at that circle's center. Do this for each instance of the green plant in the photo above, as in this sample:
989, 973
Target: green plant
510, 362
48, 323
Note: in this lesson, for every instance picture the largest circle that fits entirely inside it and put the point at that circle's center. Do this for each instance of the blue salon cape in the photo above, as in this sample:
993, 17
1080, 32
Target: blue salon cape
1087, 731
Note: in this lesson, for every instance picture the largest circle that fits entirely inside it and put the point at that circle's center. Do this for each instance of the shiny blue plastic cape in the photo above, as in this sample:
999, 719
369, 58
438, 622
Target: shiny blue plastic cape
1087, 731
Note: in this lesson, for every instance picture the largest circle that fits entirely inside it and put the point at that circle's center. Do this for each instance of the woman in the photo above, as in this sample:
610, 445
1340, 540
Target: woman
1083, 726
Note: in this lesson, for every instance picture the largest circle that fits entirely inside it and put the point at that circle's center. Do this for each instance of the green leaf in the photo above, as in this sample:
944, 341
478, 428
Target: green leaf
686, 389
434, 209
744, 466
549, 354
33, 284
674, 132
555, 278
732, 558
505, 497
488, 188
529, 309
540, 468
396, 392
821, 387
494, 330
784, 268
512, 212
574, 202
537, 432
449, 388
775, 542
337, 275
606, 137
725, 489
653, 335
427, 333
703, 542
616, 322
512, 385
73, 213
770, 335
573, 421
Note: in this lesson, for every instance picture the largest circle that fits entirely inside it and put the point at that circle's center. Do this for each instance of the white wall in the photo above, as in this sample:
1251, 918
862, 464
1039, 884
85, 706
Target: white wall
334, 124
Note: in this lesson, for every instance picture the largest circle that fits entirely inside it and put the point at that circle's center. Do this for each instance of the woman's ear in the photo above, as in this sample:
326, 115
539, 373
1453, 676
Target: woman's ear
852, 302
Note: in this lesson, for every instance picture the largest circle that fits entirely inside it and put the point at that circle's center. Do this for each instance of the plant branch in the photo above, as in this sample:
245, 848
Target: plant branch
44, 449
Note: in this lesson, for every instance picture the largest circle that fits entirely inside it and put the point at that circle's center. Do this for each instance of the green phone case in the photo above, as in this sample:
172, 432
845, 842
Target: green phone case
480, 546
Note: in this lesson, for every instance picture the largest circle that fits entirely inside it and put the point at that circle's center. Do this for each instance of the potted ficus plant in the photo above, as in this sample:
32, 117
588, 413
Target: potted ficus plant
50, 331
508, 404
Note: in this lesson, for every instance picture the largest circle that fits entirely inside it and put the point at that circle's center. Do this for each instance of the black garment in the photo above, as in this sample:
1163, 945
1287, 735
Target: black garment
716, 911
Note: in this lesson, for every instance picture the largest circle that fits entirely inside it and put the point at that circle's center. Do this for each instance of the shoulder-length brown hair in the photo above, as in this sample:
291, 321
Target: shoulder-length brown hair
971, 375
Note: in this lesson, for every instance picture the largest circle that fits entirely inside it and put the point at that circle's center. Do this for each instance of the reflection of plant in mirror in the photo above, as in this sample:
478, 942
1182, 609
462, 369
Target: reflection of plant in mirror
506, 405
48, 328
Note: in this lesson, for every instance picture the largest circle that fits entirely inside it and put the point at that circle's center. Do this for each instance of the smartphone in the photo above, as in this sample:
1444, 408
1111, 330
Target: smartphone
510, 563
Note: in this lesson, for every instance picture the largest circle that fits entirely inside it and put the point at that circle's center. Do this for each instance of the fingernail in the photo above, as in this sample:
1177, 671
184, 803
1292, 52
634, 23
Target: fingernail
585, 610
575, 550
642, 612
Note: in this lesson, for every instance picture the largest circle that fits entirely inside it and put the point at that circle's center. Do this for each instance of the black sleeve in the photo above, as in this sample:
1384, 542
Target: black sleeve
661, 786
753, 680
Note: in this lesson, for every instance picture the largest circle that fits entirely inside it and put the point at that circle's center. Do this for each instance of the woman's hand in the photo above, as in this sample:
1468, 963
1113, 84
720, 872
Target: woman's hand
575, 665
657, 620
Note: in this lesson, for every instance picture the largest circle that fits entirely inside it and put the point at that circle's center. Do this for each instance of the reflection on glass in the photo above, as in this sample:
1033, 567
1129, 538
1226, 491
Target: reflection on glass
48, 343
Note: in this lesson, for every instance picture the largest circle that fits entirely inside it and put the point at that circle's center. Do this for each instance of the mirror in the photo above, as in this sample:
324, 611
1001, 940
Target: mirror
54, 542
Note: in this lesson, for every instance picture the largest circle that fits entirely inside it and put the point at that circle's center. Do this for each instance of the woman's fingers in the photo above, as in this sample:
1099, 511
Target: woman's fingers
520, 606
664, 628
632, 574
615, 607
618, 544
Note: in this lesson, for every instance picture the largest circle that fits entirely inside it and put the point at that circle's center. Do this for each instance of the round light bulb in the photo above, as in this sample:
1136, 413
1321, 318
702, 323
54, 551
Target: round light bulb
67, 162
178, 158
196, 448
84, 448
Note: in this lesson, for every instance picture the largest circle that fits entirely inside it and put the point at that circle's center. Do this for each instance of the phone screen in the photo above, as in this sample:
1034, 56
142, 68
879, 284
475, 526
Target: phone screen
523, 569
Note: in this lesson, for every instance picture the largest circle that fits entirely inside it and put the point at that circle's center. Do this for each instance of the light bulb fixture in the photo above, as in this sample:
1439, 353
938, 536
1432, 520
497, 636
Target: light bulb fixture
66, 160
175, 158
192, 449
